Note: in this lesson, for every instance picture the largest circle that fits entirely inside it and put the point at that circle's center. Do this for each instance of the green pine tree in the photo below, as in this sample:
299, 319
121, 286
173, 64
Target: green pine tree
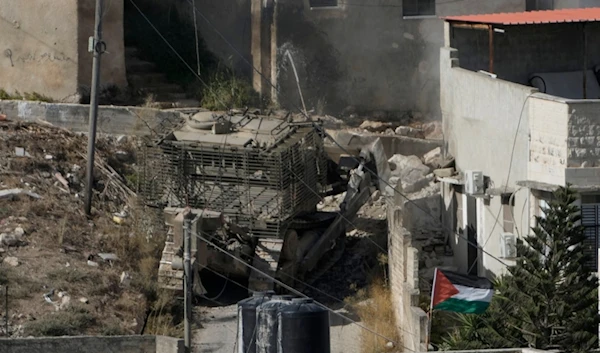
549, 299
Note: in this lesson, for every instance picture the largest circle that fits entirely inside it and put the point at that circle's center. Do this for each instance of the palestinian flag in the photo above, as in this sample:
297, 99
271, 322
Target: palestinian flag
460, 293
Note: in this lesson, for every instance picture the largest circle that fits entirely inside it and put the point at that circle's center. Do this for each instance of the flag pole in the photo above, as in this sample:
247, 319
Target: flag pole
430, 312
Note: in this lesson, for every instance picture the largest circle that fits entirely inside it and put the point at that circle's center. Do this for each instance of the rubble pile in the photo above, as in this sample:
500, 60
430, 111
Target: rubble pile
414, 129
46, 240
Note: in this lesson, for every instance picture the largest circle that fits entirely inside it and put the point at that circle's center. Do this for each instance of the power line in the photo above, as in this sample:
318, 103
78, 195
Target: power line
293, 290
506, 183
334, 141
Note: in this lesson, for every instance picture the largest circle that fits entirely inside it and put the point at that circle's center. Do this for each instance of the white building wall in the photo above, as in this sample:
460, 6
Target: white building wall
480, 132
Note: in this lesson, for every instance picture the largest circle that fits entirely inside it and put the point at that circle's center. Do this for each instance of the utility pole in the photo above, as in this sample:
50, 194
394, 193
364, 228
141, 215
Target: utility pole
98, 47
187, 281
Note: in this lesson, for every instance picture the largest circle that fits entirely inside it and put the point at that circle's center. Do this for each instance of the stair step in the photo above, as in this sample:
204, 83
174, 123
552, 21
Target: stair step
139, 66
147, 79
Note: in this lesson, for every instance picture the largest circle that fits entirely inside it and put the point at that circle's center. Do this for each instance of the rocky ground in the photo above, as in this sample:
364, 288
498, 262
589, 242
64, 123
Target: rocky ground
66, 273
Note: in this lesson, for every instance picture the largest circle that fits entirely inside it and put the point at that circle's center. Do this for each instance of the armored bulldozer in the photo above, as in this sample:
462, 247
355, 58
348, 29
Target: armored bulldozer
253, 183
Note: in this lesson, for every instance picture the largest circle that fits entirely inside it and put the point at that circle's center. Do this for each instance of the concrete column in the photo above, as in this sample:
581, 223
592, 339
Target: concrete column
262, 22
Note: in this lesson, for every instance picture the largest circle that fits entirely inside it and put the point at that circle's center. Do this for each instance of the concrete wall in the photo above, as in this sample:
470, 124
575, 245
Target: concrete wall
121, 344
548, 147
113, 63
111, 120
43, 47
487, 115
47, 53
404, 279
524, 50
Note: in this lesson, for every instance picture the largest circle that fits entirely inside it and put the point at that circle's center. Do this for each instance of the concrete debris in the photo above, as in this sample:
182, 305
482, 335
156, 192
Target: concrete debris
409, 132
10, 193
433, 158
108, 256
410, 171
433, 130
444, 172
20, 152
376, 126
84, 300
92, 263
11, 261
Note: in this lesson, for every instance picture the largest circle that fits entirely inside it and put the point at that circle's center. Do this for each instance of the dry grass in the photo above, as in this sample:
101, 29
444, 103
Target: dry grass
375, 309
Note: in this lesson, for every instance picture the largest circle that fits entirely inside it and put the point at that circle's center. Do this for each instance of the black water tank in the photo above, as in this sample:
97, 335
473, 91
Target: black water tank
303, 327
266, 323
247, 320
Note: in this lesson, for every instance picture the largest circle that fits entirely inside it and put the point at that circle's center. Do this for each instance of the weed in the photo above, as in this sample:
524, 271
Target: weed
375, 309
72, 321
112, 328
68, 275
33, 96
225, 91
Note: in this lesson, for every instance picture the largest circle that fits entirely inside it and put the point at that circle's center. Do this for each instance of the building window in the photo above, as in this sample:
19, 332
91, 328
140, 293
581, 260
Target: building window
537, 5
508, 222
590, 219
323, 3
418, 8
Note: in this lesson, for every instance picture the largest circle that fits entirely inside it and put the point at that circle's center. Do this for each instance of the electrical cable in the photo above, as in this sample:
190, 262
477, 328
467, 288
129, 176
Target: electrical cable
316, 126
291, 289
507, 179
338, 144
196, 35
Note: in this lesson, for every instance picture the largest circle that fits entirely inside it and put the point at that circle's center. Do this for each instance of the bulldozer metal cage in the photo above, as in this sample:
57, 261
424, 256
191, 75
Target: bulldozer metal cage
259, 188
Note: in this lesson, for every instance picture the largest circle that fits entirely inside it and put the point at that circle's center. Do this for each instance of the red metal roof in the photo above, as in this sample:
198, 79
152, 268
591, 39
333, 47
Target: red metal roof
591, 14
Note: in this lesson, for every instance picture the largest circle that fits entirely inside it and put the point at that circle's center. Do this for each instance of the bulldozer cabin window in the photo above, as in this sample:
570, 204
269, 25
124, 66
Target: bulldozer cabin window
411, 8
323, 3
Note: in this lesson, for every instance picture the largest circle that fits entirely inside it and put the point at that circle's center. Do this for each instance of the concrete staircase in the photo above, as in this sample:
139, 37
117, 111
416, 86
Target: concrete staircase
147, 80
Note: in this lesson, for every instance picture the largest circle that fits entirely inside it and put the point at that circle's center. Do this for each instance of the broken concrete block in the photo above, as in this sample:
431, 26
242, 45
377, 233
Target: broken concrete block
11, 261
408, 132
433, 157
444, 172
376, 126
417, 185
20, 152
401, 165
108, 256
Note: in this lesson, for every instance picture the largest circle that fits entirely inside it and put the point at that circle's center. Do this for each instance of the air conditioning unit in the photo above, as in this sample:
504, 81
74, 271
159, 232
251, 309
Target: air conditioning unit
474, 184
508, 246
